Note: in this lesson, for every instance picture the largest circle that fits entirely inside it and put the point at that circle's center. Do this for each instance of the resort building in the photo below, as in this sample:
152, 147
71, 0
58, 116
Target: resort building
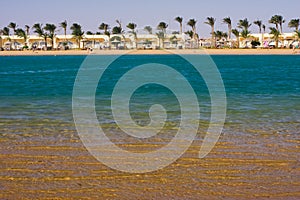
141, 41
286, 40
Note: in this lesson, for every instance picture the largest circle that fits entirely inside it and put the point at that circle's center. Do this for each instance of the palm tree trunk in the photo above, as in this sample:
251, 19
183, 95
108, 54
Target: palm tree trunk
181, 28
213, 44
14, 41
194, 35
65, 30
181, 39
136, 45
109, 42
123, 36
46, 48
159, 42
52, 43
27, 40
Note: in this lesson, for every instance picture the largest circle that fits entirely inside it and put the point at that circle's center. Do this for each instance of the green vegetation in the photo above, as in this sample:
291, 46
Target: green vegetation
77, 33
241, 31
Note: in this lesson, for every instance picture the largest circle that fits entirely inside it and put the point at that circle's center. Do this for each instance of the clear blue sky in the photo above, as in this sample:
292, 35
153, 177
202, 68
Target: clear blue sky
90, 13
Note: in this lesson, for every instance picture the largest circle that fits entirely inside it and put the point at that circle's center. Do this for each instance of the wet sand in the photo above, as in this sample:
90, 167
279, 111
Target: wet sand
53, 164
151, 52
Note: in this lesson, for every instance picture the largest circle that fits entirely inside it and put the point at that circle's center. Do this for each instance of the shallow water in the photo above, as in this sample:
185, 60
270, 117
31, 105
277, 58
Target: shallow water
256, 157
261, 90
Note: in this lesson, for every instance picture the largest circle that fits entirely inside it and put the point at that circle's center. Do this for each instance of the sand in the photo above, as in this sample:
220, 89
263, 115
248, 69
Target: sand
150, 52
56, 165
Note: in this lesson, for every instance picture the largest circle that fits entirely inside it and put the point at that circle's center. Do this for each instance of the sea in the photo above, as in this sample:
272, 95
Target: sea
262, 92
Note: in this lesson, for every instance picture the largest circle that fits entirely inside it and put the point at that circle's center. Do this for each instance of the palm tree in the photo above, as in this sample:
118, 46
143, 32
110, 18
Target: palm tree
274, 20
148, 29
244, 24
51, 32
192, 23
179, 20
22, 34
162, 27
225, 35
211, 22
294, 23
104, 27
276, 34
298, 35
117, 30
161, 36
190, 34
278, 21
281, 22
236, 33
259, 24
132, 27
27, 28
13, 26
64, 26
245, 34
77, 33
219, 35
119, 23
263, 33
227, 21
5, 31
38, 29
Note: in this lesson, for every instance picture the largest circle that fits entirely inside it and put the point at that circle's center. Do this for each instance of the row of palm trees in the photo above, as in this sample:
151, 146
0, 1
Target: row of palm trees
46, 31
242, 29
244, 26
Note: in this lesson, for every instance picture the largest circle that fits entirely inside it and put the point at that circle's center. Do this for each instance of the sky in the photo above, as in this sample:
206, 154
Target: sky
91, 13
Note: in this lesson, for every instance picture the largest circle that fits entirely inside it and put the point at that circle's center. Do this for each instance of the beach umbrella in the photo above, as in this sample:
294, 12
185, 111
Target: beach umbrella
273, 43
115, 41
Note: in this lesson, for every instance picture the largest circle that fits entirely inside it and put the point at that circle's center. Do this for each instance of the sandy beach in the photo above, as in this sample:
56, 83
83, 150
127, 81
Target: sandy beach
153, 52
256, 157
56, 165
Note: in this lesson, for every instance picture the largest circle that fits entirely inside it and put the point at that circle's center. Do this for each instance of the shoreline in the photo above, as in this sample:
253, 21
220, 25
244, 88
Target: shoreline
156, 52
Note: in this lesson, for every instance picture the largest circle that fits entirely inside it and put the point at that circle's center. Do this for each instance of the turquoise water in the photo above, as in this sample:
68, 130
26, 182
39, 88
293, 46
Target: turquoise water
262, 91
